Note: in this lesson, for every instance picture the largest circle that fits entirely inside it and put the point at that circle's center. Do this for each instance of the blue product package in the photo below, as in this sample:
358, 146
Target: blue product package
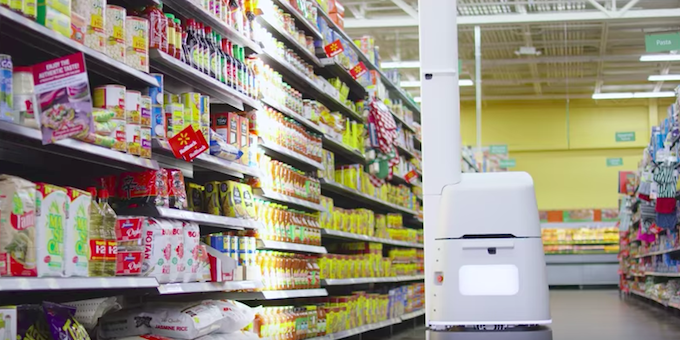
158, 129
6, 94
156, 93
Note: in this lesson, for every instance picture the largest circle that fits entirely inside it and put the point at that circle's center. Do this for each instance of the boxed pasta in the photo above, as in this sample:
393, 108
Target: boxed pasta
137, 43
133, 136
77, 233
133, 103
145, 140
17, 227
55, 20
51, 204
115, 32
145, 111
94, 12
111, 97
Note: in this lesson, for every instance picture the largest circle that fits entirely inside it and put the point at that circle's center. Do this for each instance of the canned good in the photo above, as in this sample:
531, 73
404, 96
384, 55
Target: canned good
133, 103
145, 111
111, 97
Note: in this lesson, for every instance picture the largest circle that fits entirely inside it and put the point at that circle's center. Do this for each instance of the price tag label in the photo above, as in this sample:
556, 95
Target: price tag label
139, 44
188, 144
411, 176
334, 48
358, 70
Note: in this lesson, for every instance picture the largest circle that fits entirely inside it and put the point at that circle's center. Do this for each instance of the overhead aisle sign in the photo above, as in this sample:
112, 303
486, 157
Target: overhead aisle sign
662, 42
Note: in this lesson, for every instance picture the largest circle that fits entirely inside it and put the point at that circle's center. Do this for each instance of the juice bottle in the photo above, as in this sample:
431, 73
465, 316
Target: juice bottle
170, 35
179, 40
109, 233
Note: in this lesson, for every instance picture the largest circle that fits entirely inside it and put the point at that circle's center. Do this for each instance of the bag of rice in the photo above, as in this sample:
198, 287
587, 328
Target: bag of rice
236, 315
157, 250
192, 243
124, 323
177, 252
182, 321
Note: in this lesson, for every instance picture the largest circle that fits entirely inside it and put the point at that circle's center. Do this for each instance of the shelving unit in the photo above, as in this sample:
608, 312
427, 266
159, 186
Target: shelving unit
366, 280
350, 236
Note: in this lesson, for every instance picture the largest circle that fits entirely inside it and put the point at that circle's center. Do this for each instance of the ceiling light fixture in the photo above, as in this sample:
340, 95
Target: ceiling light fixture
400, 64
461, 82
664, 77
630, 95
660, 57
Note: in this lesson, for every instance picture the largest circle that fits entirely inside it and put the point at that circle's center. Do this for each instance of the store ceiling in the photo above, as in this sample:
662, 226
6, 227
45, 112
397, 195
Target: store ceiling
586, 46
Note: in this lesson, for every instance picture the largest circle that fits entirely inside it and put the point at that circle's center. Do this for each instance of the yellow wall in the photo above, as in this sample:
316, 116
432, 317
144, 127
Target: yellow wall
565, 149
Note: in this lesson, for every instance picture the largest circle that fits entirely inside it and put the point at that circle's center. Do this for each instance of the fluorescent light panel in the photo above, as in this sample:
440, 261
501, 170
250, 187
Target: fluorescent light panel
629, 95
664, 77
461, 82
660, 57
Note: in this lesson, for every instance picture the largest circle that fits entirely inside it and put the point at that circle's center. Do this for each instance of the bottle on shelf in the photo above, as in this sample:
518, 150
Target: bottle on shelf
109, 233
228, 63
171, 31
192, 46
205, 49
212, 53
239, 68
179, 40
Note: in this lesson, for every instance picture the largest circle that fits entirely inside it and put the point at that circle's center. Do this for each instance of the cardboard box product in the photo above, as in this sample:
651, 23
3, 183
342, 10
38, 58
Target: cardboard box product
220, 124
51, 203
334, 6
145, 111
174, 115
78, 28
55, 20
234, 122
244, 139
145, 140
252, 151
76, 234
18, 245
231, 198
212, 198
192, 107
339, 20
156, 93
133, 105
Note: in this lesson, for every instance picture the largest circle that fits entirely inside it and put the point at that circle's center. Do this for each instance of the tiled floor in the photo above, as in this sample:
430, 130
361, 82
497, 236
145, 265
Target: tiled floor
599, 315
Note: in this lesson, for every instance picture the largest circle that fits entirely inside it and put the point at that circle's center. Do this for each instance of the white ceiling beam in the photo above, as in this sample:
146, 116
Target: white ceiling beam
499, 19
358, 12
664, 71
533, 67
628, 6
603, 51
598, 6
406, 8
532, 97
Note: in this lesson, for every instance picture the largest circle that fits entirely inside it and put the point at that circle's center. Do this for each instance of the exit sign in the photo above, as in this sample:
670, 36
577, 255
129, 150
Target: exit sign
662, 42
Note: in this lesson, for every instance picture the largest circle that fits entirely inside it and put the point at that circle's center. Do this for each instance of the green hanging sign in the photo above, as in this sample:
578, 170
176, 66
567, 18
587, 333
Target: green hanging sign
628, 136
507, 163
615, 161
662, 42
498, 149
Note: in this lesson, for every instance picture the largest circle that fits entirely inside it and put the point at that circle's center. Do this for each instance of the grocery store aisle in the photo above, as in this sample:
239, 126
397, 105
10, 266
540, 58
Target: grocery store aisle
599, 315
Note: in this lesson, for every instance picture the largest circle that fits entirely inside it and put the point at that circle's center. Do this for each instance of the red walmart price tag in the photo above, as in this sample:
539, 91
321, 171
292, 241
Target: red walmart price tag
333, 48
411, 176
188, 144
358, 70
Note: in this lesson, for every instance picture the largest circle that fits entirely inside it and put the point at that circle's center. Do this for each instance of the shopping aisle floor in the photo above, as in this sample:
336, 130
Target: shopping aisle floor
599, 315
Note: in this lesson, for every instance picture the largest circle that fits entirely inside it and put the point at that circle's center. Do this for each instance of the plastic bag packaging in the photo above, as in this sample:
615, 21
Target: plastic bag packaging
220, 148
177, 252
62, 324
31, 323
182, 321
89, 311
124, 323
157, 250
177, 194
236, 315
240, 335
192, 243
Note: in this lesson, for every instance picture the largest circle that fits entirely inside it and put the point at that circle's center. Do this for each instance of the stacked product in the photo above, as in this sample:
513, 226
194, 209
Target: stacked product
364, 259
354, 177
287, 225
291, 182
582, 240
284, 271
272, 126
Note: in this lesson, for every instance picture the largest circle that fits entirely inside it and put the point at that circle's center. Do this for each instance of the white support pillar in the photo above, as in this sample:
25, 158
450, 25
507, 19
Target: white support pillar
478, 85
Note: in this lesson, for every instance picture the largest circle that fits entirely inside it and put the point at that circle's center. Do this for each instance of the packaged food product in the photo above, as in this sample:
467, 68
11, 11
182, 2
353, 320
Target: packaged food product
61, 6
61, 323
9, 322
94, 12
115, 32
248, 205
158, 123
119, 135
51, 204
133, 136
54, 19
177, 196
17, 227
236, 316
111, 97
195, 197
192, 243
232, 199
145, 111
30, 8
143, 188
177, 268
213, 203
174, 114
124, 323
185, 321
244, 139
192, 107
76, 234
133, 105
137, 43
145, 140
157, 250
78, 28
156, 93
220, 148
6, 94
220, 125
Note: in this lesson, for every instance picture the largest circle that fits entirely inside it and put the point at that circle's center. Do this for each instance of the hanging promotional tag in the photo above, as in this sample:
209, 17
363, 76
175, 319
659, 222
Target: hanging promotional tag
188, 144
358, 70
333, 48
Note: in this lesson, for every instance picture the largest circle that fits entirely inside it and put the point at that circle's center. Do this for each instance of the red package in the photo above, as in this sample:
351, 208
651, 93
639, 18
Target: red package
177, 193
128, 263
148, 187
110, 183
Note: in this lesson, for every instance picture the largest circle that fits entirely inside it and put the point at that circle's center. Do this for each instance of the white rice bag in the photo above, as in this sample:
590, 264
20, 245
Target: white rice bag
182, 321
236, 315
192, 243
124, 323
157, 250
240, 335
177, 253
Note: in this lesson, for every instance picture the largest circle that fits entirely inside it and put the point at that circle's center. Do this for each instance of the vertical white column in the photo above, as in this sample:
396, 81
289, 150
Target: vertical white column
478, 85
440, 116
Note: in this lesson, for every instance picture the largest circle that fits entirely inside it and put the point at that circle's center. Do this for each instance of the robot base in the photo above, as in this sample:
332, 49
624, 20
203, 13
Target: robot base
519, 333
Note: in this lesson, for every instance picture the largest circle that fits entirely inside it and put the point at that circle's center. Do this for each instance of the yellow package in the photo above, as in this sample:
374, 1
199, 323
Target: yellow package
248, 205
232, 199
192, 107
212, 198
195, 197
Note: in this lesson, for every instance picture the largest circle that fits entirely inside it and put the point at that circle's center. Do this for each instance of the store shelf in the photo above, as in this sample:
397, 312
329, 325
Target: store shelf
661, 274
274, 27
582, 243
333, 69
601, 224
286, 246
350, 236
365, 280
19, 141
655, 299
205, 287
581, 258
220, 165
191, 9
361, 197
300, 19
274, 150
28, 33
306, 85
219, 92
190, 216
8, 284
292, 114
279, 294
406, 100
271, 195
342, 150
402, 121
358, 330
659, 252
412, 315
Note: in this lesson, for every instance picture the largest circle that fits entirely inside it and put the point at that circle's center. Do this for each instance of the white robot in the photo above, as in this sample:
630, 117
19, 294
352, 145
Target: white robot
484, 261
